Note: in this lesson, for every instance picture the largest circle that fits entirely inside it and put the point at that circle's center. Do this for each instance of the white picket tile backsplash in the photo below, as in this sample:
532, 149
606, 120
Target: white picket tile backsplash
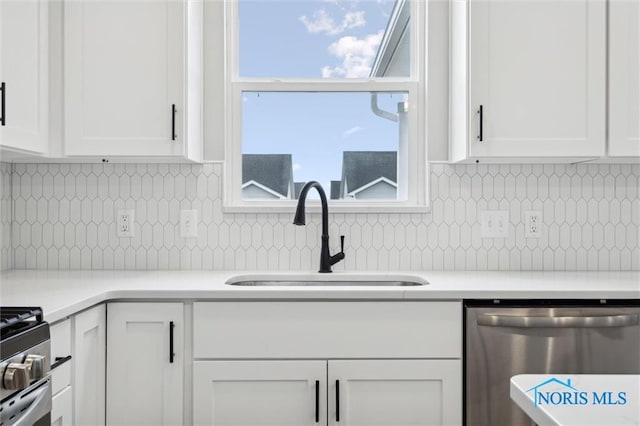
62, 216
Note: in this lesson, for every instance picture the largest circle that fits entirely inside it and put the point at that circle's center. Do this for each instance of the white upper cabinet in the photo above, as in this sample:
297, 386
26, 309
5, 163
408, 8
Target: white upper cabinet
624, 78
528, 80
131, 78
24, 67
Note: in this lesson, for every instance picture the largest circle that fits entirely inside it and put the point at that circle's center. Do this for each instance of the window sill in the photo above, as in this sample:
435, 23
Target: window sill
313, 206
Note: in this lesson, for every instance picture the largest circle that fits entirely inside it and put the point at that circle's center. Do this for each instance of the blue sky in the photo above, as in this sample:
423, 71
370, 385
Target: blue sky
313, 39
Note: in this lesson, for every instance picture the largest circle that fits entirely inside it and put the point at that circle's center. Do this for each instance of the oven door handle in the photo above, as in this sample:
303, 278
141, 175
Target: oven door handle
616, 320
40, 406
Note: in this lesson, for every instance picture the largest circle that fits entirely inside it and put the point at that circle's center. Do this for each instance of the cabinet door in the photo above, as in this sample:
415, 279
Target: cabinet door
60, 351
62, 408
123, 72
259, 393
624, 78
395, 393
24, 71
538, 69
89, 367
144, 380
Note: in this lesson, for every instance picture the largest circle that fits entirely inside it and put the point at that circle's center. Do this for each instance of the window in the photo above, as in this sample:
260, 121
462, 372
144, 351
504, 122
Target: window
325, 90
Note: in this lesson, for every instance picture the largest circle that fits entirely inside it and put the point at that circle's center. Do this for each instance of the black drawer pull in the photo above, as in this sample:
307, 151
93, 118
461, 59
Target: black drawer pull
59, 361
337, 400
173, 122
171, 353
2, 106
480, 113
317, 401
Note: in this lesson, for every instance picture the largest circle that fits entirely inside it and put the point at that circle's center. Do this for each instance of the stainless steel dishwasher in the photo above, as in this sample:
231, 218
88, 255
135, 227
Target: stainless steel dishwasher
508, 337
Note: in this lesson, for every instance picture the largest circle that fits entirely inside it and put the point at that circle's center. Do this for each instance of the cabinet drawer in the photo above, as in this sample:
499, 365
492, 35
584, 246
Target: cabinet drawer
327, 329
60, 348
61, 408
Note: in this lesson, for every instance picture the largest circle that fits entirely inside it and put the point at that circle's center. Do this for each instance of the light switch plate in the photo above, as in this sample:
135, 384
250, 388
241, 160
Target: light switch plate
189, 223
495, 223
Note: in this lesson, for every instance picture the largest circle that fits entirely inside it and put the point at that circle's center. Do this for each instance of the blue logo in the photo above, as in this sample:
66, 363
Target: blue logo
569, 395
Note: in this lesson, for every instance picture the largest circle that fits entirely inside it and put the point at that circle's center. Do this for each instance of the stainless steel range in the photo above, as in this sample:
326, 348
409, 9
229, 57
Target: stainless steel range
25, 356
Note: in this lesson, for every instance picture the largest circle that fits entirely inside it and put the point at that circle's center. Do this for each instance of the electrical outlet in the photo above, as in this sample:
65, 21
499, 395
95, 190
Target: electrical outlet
126, 223
495, 224
189, 223
533, 224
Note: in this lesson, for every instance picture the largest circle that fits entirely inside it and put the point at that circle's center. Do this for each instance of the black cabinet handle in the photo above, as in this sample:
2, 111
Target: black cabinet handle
317, 401
337, 400
171, 353
2, 89
59, 361
480, 111
173, 122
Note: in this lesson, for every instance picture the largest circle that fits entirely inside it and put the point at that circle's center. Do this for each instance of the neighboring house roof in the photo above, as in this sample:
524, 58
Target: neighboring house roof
373, 183
297, 188
335, 190
272, 171
362, 168
392, 57
265, 190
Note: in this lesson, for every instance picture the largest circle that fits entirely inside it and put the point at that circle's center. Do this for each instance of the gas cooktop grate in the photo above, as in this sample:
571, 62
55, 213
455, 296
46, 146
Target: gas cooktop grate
16, 319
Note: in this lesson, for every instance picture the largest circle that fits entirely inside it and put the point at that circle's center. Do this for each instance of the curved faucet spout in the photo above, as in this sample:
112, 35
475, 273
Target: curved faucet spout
326, 260
299, 218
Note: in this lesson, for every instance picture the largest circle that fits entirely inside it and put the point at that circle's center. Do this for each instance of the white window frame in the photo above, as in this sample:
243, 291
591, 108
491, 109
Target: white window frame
415, 86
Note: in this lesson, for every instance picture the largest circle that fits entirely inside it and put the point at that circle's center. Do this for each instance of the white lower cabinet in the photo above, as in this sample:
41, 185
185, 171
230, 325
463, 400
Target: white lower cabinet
357, 392
375, 363
89, 349
62, 404
394, 392
240, 393
145, 363
62, 408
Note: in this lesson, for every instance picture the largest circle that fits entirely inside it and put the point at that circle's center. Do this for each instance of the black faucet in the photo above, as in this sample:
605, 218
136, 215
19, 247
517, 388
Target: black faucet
326, 260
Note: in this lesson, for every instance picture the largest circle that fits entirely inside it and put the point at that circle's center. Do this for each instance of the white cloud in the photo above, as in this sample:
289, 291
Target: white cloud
356, 55
322, 22
351, 131
296, 167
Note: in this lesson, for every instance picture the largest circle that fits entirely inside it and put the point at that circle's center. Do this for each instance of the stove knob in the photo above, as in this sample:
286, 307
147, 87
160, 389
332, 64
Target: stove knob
36, 366
16, 376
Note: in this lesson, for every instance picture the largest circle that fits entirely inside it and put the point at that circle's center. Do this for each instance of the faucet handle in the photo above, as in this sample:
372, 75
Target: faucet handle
341, 243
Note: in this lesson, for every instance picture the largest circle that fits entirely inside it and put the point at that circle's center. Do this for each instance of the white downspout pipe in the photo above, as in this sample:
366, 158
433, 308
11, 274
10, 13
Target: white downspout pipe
380, 112
402, 158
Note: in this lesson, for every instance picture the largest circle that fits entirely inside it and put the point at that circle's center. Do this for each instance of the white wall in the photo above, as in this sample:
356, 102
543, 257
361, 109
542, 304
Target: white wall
61, 216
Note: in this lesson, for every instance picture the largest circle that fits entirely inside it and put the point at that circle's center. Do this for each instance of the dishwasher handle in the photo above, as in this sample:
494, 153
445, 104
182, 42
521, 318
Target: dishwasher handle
614, 320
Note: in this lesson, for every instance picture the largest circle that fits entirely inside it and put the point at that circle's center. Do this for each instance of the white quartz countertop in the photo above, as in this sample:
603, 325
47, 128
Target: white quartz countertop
63, 293
579, 399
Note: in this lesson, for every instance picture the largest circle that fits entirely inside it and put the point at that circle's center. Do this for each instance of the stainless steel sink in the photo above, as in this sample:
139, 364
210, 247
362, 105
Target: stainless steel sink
324, 283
